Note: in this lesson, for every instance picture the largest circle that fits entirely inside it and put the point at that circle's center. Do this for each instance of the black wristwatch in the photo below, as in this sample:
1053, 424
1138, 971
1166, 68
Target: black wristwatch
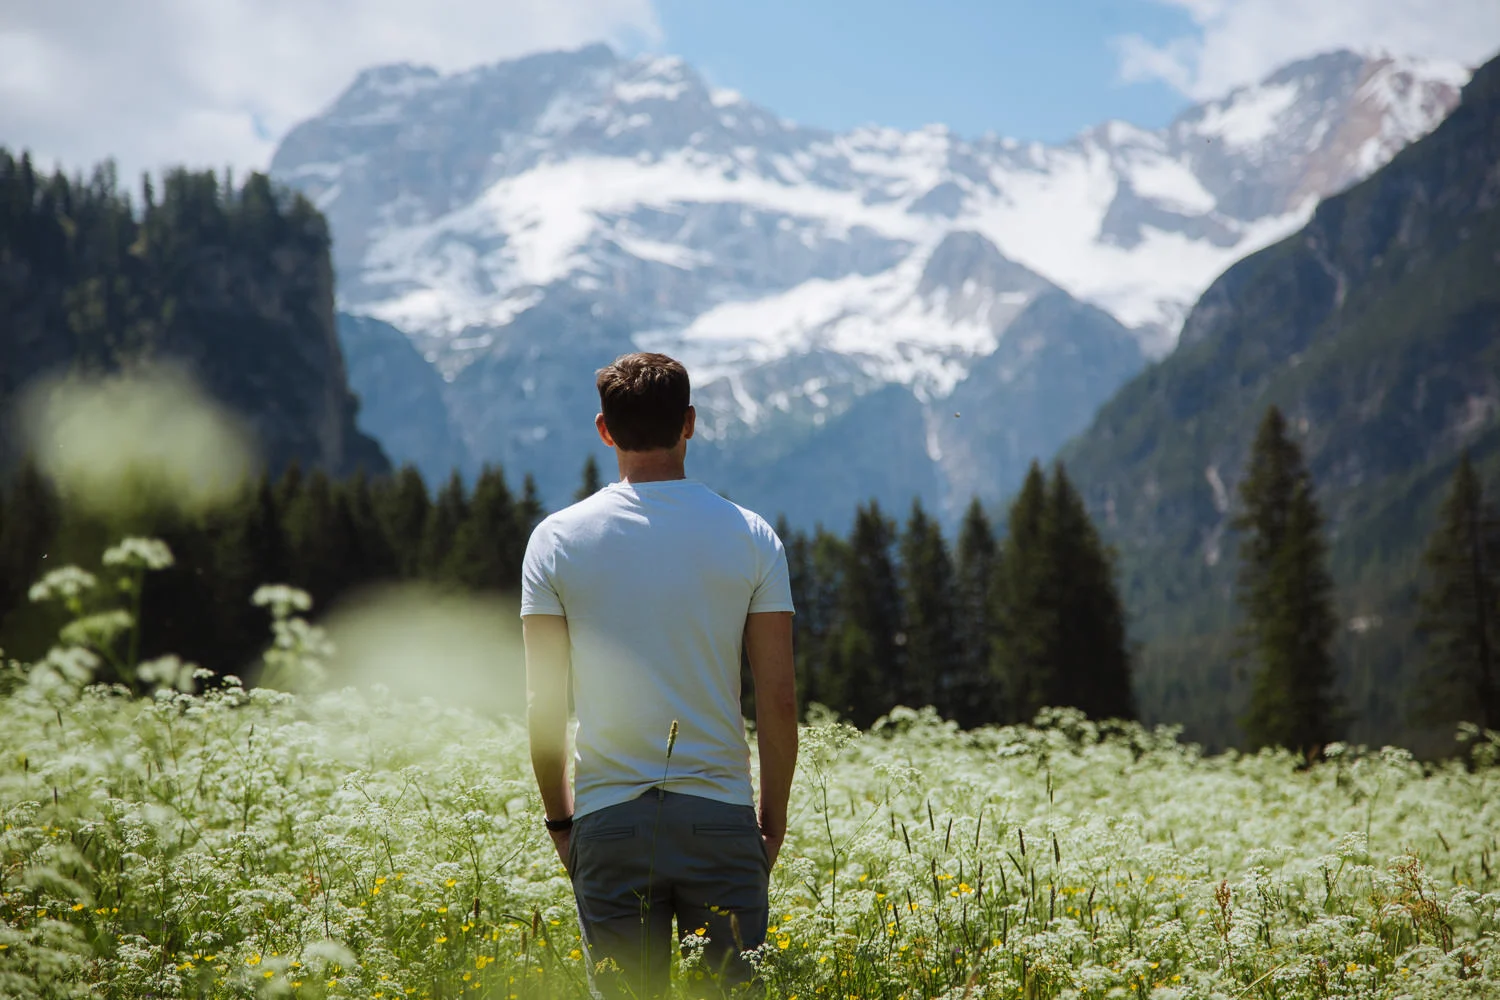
559, 825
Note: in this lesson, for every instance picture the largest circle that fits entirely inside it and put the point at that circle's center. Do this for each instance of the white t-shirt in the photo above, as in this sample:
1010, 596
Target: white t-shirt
655, 580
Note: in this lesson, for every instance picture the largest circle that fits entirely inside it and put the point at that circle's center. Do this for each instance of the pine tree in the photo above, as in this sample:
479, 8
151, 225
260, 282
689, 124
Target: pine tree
1460, 608
871, 649
372, 556
529, 513
487, 547
819, 657
1024, 611
1092, 669
973, 692
591, 482
319, 532
1287, 597
448, 511
289, 487
403, 511
249, 549
929, 602
804, 624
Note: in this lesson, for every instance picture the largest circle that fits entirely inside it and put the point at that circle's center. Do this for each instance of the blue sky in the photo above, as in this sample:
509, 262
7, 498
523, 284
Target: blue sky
1031, 70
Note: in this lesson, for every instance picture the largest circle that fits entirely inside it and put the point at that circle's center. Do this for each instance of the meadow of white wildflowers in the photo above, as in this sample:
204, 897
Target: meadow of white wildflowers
341, 844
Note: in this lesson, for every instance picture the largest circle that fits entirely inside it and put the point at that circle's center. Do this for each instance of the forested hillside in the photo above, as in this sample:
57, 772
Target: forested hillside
1376, 330
231, 282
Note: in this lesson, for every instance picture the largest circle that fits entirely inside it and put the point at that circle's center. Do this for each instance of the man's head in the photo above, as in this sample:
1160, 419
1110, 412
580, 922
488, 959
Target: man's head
644, 399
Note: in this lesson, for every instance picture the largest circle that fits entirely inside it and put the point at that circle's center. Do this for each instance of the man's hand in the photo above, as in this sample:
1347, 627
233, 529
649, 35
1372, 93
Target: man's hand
560, 840
773, 846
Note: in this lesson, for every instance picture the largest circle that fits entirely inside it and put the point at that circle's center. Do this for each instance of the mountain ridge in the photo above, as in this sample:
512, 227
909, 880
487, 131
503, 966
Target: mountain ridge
568, 205
1376, 330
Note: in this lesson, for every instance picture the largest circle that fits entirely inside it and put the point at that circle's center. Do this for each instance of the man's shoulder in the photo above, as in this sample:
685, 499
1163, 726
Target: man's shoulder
756, 525
559, 523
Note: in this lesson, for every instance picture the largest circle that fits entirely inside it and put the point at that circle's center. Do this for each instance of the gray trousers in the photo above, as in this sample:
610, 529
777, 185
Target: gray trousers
638, 864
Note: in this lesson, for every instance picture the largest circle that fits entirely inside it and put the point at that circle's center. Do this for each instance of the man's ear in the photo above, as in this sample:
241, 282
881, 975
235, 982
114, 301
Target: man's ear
603, 430
690, 424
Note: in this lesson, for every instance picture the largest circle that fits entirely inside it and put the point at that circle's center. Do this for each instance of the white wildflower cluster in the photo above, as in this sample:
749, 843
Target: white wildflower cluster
233, 844
283, 601
167, 673
139, 553
300, 651
64, 583
101, 629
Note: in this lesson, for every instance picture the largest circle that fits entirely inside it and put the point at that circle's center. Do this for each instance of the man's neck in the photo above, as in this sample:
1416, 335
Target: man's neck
650, 466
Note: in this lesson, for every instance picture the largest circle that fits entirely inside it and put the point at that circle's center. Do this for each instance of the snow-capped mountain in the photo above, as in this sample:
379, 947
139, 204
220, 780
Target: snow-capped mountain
523, 222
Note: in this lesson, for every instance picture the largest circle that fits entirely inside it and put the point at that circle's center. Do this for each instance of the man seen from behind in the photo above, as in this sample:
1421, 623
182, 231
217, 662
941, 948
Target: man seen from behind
648, 592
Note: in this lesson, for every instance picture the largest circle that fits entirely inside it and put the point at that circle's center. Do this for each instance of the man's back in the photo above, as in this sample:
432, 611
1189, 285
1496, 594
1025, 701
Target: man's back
655, 580
647, 593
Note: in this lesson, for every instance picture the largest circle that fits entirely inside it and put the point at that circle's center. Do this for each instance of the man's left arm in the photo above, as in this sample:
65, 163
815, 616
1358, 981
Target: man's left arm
547, 662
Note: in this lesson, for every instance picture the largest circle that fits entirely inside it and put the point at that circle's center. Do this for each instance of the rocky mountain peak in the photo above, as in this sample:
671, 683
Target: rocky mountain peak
967, 258
581, 203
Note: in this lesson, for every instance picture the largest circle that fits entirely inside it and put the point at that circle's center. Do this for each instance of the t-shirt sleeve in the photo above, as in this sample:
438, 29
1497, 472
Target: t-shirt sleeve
773, 592
539, 594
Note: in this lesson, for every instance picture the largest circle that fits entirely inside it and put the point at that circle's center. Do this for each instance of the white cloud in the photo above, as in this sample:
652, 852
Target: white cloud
1240, 41
217, 82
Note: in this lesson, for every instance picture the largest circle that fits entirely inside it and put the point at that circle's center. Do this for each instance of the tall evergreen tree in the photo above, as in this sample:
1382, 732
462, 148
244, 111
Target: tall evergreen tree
372, 556
973, 694
403, 510
319, 532
930, 621
1092, 669
799, 576
820, 657
290, 486
1287, 597
1460, 608
448, 512
591, 483
487, 547
1025, 611
249, 549
529, 513
872, 653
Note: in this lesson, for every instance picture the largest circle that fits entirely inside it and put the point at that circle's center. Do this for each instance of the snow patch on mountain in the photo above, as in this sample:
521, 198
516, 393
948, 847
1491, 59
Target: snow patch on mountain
1248, 117
879, 320
1168, 182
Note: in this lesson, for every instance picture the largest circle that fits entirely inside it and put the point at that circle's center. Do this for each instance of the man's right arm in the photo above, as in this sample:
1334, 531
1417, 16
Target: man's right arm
768, 642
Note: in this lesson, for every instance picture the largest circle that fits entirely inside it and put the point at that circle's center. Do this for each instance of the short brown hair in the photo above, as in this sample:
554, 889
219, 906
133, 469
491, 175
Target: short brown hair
645, 400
